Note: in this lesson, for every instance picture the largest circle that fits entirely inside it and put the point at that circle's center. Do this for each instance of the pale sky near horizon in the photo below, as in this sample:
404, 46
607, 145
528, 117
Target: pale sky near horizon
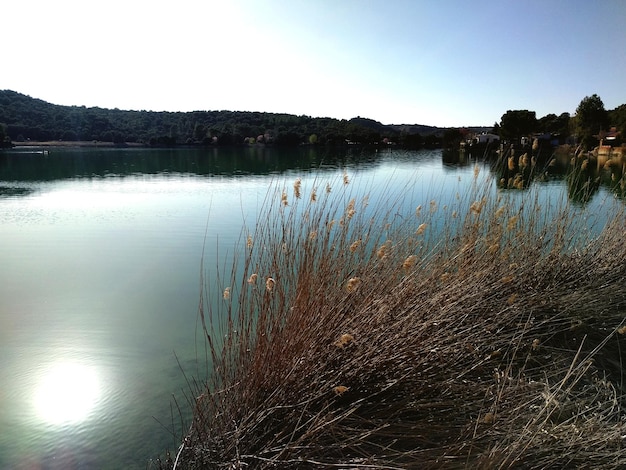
442, 63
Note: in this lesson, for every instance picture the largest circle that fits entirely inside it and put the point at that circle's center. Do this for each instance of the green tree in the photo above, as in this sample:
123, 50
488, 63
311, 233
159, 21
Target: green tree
517, 123
618, 119
173, 133
452, 138
591, 118
199, 131
5, 140
554, 124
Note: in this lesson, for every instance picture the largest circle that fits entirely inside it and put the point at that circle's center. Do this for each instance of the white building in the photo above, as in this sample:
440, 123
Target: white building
486, 138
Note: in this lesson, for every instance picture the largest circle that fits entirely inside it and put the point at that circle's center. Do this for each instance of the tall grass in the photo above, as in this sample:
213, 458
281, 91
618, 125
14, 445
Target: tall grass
350, 336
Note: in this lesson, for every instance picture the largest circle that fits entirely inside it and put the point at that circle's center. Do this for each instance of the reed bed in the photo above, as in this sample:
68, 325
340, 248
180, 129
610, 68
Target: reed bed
349, 337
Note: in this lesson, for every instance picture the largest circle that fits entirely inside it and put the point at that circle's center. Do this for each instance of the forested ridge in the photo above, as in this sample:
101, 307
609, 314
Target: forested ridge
25, 118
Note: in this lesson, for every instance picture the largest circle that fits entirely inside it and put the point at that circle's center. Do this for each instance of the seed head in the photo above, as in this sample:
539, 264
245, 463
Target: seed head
249, 241
383, 250
489, 418
226, 294
511, 163
344, 340
512, 222
353, 284
314, 195
346, 180
296, 188
476, 207
252, 278
355, 245
421, 229
340, 390
523, 161
409, 262
283, 199
269, 284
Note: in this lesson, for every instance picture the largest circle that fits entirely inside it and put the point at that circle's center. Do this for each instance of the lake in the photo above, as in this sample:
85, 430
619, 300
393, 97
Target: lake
100, 277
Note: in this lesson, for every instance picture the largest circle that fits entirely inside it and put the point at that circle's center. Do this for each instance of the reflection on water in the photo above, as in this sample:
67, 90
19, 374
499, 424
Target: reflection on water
100, 255
513, 170
67, 393
25, 165
583, 172
9, 191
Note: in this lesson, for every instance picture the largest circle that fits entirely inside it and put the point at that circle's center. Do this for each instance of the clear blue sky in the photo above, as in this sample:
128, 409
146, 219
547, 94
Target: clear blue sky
441, 62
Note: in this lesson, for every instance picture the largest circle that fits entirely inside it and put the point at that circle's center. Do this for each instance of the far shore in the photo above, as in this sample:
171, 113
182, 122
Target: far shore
77, 143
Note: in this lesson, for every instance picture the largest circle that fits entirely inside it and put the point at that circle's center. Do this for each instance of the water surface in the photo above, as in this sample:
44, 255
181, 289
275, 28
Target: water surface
100, 263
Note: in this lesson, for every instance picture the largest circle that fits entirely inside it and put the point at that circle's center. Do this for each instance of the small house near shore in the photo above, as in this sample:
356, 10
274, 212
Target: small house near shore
486, 138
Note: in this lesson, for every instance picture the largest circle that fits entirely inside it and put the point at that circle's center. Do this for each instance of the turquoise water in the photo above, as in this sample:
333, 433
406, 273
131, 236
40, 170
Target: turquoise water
100, 265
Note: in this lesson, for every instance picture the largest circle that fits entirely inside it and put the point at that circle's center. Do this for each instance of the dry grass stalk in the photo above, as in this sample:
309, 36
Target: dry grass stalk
495, 344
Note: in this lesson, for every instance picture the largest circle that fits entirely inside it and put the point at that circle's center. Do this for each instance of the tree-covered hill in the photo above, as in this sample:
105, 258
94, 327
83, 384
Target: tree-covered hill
25, 118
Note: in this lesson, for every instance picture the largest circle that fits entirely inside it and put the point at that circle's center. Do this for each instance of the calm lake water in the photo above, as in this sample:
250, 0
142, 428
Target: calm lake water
100, 264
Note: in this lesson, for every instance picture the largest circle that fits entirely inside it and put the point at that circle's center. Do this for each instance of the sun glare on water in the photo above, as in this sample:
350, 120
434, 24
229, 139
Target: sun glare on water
67, 393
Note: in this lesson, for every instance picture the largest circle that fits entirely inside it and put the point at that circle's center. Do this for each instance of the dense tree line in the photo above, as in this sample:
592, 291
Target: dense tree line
590, 123
26, 118
5, 139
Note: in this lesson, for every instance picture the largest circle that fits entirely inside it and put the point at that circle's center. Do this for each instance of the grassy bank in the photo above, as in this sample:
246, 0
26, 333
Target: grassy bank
350, 336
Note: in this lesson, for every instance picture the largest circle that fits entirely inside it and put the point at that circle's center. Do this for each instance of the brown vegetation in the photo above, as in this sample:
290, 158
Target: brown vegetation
349, 339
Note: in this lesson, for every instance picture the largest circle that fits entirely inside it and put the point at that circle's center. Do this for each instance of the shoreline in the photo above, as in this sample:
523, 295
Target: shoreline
77, 143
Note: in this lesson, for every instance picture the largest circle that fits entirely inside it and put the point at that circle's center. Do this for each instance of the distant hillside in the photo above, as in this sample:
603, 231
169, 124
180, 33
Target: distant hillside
24, 118
397, 129
430, 130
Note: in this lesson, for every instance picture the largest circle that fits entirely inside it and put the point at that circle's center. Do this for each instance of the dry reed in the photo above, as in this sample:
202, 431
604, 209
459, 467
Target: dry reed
494, 343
